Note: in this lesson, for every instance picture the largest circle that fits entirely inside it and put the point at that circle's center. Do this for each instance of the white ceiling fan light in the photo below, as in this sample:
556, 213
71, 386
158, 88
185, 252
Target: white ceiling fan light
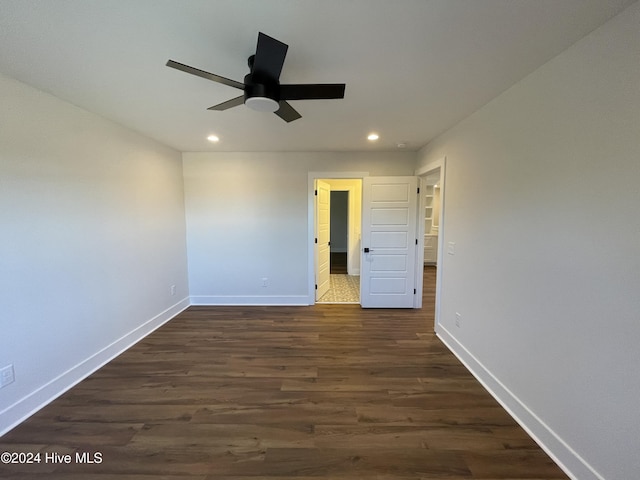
262, 104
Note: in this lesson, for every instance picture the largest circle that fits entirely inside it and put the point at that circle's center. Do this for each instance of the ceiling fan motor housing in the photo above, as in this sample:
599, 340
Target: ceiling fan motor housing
261, 96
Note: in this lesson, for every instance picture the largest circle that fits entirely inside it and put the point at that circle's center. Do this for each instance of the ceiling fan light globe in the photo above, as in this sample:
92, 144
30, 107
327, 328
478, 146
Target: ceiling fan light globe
262, 104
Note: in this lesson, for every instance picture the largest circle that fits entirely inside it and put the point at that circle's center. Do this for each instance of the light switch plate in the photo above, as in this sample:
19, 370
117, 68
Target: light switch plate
6, 376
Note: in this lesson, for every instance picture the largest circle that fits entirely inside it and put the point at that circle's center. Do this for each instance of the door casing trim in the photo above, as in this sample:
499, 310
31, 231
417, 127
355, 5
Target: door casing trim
311, 178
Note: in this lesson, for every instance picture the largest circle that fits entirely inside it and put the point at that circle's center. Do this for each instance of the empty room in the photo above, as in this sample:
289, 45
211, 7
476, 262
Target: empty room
319, 239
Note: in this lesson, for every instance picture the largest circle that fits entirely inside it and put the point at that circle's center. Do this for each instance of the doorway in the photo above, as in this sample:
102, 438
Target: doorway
432, 210
337, 215
391, 228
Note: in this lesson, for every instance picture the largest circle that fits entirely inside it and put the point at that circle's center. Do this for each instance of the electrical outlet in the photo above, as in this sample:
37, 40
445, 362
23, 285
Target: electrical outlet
458, 320
451, 248
7, 376
172, 289
265, 282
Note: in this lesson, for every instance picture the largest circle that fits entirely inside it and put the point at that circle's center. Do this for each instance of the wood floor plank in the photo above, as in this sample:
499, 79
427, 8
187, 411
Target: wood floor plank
365, 462
283, 393
449, 417
299, 414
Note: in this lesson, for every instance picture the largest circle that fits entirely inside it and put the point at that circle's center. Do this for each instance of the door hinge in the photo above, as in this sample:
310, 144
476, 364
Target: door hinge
316, 240
418, 190
414, 291
316, 286
316, 193
329, 243
416, 241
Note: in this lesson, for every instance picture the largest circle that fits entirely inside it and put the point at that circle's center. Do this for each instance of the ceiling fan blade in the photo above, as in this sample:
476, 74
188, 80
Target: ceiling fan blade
269, 58
234, 102
287, 112
312, 91
203, 74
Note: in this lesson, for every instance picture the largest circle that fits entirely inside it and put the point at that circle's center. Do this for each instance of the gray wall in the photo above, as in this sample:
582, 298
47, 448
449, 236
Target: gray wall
247, 219
542, 196
339, 221
93, 237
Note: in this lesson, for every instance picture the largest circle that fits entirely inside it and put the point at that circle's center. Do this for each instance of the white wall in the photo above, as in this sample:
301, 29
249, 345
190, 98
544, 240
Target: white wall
247, 220
542, 198
92, 237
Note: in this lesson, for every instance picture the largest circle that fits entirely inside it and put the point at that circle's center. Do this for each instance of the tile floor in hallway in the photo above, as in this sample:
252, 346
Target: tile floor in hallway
342, 289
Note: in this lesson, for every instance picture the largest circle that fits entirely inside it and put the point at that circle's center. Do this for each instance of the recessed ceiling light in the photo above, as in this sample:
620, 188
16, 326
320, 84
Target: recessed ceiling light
213, 138
373, 137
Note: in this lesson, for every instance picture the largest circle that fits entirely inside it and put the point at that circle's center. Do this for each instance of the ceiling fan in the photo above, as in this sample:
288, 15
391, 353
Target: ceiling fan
262, 88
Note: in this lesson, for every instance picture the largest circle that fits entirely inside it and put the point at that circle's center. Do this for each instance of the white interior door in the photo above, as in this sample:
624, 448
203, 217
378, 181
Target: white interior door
389, 233
323, 236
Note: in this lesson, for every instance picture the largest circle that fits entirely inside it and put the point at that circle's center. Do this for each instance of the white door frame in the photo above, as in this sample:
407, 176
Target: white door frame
422, 173
312, 176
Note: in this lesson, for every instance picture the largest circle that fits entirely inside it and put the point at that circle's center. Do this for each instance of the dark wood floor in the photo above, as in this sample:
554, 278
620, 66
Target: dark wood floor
296, 393
338, 263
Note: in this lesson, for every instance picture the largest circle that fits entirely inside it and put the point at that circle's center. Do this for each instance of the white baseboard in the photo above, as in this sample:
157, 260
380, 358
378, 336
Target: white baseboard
15, 414
250, 300
561, 453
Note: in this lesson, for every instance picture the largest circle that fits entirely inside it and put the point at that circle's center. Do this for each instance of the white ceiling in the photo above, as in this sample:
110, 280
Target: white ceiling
413, 68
